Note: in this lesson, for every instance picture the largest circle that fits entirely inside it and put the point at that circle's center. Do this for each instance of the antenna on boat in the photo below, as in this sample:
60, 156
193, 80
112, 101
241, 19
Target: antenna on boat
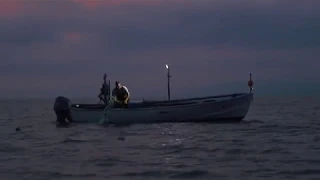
105, 93
109, 86
250, 84
168, 77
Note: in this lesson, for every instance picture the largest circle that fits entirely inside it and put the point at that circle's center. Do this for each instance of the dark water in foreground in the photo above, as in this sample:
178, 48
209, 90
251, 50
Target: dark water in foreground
279, 139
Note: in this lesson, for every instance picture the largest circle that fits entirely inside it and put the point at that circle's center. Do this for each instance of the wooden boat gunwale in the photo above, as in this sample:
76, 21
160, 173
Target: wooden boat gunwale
163, 104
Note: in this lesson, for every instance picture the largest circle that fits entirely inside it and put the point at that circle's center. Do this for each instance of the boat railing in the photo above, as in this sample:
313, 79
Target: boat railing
208, 98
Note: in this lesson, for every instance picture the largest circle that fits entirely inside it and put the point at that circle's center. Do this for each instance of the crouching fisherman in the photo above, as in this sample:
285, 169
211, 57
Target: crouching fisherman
62, 107
122, 95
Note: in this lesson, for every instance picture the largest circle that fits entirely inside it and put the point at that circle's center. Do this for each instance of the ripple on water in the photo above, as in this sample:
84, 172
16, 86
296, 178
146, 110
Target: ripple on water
173, 174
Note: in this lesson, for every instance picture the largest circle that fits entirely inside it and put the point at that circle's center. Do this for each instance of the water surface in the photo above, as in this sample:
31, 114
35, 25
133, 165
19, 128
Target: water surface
279, 139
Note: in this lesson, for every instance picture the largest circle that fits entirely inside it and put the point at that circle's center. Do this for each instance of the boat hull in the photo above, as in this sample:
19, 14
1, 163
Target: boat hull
211, 109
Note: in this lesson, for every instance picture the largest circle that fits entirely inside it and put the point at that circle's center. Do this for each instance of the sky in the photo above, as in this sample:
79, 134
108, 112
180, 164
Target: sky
51, 48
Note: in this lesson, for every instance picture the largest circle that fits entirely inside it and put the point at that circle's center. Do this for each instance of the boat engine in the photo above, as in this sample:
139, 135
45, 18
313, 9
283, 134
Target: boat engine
62, 108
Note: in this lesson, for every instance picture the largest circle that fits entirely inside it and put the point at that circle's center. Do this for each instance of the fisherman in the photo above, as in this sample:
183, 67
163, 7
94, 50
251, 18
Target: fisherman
122, 95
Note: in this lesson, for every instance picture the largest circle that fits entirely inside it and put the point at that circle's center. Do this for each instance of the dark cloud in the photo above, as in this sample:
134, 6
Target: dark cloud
232, 25
209, 41
205, 23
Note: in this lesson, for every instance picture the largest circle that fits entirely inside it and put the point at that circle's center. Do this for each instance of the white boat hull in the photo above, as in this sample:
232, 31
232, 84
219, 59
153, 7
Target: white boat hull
211, 109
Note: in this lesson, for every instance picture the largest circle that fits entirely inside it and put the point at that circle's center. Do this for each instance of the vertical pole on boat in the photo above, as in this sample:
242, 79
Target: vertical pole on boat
168, 76
250, 84
104, 87
109, 90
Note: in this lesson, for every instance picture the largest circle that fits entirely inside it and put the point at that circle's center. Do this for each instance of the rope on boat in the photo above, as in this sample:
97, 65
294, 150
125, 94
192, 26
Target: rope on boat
104, 120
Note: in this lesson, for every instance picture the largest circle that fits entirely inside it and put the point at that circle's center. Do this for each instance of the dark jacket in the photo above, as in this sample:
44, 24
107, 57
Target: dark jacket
121, 94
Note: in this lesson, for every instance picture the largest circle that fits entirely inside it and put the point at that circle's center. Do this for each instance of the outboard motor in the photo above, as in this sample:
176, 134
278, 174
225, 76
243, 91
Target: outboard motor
62, 106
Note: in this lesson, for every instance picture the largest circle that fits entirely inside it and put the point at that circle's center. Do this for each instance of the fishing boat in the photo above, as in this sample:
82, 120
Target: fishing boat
225, 108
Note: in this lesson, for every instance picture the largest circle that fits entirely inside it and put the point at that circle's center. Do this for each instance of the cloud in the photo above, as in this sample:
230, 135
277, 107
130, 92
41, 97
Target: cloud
208, 41
138, 25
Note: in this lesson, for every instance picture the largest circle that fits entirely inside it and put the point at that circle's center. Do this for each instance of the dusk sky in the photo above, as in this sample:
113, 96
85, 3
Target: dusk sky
63, 47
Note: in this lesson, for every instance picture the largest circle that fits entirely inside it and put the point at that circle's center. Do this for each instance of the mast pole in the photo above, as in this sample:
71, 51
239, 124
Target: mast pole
109, 88
104, 87
168, 80
250, 83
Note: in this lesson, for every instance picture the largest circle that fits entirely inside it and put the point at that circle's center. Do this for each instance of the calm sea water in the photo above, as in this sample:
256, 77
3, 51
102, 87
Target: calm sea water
279, 139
